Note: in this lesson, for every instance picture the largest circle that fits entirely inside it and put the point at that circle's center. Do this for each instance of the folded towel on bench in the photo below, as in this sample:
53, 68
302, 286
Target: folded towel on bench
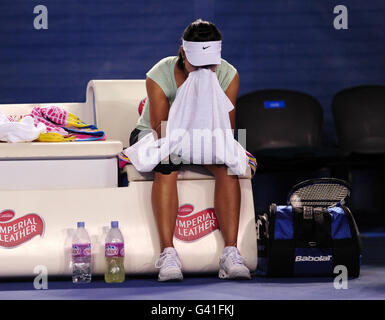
61, 122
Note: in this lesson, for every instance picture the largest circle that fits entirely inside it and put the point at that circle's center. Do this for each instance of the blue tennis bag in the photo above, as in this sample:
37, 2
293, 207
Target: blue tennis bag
307, 241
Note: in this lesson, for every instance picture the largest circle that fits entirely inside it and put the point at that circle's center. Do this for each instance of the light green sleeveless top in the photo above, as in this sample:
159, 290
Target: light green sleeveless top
163, 74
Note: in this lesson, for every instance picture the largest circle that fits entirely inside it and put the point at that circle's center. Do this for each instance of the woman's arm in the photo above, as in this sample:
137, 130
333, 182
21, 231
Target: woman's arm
159, 105
232, 93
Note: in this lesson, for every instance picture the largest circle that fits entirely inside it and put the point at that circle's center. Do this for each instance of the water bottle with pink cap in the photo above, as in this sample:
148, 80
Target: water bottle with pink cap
114, 252
81, 255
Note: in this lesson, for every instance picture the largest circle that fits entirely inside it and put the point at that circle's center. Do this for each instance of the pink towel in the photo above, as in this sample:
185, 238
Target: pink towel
38, 114
56, 115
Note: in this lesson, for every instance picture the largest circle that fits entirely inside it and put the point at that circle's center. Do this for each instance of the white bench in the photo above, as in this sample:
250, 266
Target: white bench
112, 105
117, 114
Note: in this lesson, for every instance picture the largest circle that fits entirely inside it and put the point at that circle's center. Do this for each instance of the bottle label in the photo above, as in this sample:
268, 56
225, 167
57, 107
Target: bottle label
114, 250
81, 250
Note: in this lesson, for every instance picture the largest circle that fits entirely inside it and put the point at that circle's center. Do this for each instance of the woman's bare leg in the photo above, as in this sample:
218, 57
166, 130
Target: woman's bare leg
227, 202
164, 200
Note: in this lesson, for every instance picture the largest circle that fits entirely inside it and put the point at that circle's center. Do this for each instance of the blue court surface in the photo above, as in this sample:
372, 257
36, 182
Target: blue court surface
369, 286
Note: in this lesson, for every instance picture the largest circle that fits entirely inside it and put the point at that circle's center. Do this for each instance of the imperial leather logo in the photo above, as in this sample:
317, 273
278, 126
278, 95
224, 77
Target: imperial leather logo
192, 226
16, 232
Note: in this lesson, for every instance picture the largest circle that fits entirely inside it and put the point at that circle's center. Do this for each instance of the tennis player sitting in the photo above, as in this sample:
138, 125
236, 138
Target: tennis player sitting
195, 90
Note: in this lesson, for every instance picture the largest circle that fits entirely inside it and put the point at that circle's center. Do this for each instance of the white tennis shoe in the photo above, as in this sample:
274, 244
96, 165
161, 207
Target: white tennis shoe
232, 265
169, 265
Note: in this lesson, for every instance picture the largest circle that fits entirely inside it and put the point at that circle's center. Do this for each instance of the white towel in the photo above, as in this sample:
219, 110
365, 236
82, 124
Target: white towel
20, 131
198, 129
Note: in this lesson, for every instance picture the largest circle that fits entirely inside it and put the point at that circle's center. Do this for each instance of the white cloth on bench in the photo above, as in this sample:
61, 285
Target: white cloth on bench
19, 131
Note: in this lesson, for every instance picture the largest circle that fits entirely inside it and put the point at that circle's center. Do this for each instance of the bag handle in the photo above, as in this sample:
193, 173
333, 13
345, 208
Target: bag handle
312, 225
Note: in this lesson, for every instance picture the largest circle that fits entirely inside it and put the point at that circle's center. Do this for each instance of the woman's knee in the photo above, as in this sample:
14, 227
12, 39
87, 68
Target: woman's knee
221, 172
165, 178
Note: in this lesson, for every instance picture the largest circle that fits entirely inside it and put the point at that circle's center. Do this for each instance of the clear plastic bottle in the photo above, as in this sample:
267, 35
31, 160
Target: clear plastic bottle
114, 253
81, 255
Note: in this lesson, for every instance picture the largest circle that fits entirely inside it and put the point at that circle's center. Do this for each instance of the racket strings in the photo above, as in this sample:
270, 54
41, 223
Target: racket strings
319, 195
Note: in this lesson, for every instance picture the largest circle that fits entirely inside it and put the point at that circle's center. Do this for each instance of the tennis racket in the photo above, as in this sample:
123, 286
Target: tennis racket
319, 192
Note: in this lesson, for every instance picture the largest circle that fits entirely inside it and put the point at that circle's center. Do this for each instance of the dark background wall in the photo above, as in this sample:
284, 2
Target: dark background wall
274, 44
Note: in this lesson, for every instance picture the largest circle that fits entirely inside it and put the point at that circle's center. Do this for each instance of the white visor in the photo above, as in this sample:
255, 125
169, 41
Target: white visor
203, 53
